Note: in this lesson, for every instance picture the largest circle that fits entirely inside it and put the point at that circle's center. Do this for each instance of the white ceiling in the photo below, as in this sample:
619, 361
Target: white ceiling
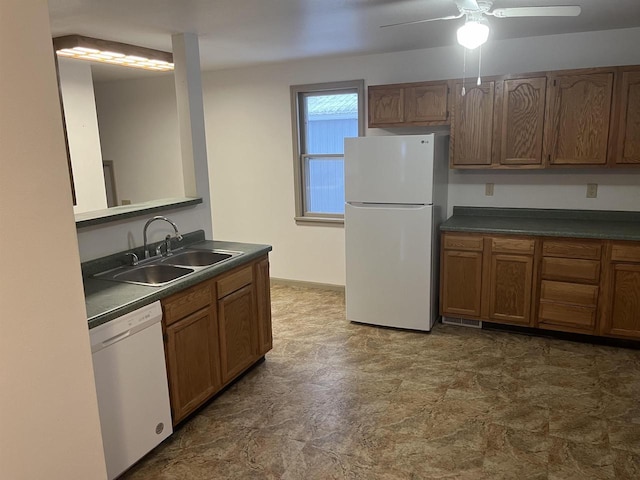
236, 33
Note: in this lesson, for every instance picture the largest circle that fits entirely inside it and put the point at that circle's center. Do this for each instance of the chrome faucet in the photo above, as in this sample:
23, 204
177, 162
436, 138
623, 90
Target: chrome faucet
146, 225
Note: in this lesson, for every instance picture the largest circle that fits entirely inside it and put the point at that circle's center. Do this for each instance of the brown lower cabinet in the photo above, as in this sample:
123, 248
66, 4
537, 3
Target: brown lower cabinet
263, 294
622, 315
570, 277
238, 332
214, 331
191, 349
572, 285
461, 293
511, 278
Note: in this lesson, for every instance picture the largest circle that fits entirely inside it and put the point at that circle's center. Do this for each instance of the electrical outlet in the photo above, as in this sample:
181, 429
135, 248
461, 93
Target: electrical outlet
125, 202
488, 189
592, 190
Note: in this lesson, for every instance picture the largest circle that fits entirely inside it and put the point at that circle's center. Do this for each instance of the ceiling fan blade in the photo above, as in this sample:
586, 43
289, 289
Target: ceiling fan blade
558, 11
450, 17
467, 4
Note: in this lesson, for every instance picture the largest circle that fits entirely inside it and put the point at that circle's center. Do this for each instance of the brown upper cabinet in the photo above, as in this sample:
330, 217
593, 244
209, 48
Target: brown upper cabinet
409, 104
571, 118
522, 119
578, 118
499, 124
472, 125
626, 150
386, 106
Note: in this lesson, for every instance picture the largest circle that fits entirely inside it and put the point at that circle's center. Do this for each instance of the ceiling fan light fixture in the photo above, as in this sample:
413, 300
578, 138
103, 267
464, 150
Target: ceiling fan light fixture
473, 33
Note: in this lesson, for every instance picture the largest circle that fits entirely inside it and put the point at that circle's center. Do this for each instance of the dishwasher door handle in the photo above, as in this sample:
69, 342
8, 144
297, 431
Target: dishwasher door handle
116, 338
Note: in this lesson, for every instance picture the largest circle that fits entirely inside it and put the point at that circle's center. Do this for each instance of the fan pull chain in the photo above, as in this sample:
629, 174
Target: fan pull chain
464, 69
479, 64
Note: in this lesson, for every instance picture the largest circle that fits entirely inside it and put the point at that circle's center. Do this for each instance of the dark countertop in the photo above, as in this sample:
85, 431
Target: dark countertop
106, 300
605, 225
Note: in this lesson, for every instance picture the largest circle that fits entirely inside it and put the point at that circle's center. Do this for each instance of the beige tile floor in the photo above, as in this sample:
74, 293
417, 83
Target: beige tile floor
336, 400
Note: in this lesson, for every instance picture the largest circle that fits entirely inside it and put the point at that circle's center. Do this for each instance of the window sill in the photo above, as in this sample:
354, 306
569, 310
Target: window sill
321, 221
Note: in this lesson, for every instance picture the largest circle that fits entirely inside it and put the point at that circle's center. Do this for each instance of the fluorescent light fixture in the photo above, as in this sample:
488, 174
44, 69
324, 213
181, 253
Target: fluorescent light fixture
114, 53
473, 33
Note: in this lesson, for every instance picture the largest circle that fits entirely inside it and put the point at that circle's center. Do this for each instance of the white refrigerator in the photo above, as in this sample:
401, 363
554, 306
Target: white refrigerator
396, 198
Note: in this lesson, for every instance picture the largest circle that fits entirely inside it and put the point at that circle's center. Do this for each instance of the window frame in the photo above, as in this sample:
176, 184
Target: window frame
298, 93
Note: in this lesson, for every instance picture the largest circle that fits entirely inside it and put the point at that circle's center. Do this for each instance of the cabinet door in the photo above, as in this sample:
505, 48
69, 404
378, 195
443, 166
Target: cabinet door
238, 335
461, 283
577, 125
511, 280
628, 138
426, 103
193, 362
263, 295
472, 125
386, 105
623, 318
523, 105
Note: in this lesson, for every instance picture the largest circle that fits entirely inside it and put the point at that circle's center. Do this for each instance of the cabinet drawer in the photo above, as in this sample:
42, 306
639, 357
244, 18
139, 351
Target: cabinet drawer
513, 245
186, 302
575, 293
234, 281
570, 269
463, 242
567, 315
625, 252
587, 250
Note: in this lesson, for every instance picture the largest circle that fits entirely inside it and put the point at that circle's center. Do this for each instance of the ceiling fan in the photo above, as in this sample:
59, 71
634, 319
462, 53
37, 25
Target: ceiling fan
475, 30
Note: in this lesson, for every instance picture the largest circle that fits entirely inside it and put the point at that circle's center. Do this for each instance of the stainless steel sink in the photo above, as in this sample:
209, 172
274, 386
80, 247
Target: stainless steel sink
159, 271
198, 258
153, 274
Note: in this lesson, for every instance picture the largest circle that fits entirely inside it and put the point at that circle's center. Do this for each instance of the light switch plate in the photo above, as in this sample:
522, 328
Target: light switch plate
488, 189
592, 190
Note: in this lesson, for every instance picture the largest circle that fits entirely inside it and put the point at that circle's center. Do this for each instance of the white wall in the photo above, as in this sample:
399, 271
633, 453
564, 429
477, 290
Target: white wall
49, 426
102, 240
250, 150
544, 189
82, 132
139, 131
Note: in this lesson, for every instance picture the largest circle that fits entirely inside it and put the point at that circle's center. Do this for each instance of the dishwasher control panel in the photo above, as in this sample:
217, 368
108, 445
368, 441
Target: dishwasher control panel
124, 326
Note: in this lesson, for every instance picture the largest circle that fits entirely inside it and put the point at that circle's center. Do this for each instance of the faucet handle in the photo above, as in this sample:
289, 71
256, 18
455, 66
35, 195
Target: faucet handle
133, 258
167, 245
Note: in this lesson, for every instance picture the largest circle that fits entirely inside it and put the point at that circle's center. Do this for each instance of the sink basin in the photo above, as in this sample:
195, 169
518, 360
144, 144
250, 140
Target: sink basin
198, 258
158, 271
151, 274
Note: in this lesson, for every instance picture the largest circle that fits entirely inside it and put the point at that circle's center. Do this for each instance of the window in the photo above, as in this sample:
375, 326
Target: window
323, 115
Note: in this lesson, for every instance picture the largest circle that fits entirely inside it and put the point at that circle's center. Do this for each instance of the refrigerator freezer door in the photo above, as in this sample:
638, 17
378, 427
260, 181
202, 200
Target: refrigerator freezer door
388, 265
389, 169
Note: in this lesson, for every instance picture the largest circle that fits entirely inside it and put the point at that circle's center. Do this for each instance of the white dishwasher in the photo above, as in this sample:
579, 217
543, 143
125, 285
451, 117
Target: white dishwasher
131, 384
